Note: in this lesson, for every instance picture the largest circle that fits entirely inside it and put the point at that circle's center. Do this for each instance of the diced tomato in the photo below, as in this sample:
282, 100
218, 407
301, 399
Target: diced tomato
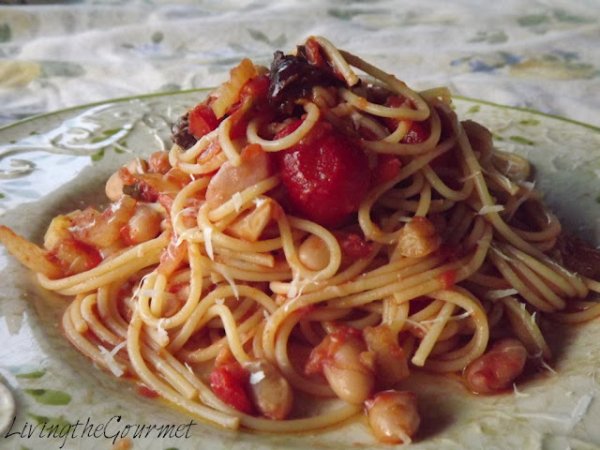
388, 166
326, 174
75, 256
393, 101
166, 201
313, 53
252, 97
202, 120
158, 162
256, 88
228, 382
172, 257
305, 310
448, 278
328, 347
353, 245
145, 391
417, 133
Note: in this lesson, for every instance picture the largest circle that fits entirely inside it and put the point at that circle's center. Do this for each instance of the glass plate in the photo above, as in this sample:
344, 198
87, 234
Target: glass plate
58, 162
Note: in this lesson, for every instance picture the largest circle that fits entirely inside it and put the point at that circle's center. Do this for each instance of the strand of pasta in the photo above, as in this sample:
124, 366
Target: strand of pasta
372, 231
397, 148
146, 375
398, 86
276, 145
526, 328
134, 259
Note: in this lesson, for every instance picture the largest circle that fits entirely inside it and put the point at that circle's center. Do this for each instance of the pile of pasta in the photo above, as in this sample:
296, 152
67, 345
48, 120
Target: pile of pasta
317, 233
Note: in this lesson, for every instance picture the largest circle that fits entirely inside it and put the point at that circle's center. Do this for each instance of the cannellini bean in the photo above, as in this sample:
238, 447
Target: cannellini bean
101, 230
269, 390
417, 238
343, 358
393, 416
496, 370
145, 224
114, 187
391, 361
313, 253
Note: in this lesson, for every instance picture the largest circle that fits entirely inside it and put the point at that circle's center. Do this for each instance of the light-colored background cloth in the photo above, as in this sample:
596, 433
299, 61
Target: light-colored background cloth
539, 54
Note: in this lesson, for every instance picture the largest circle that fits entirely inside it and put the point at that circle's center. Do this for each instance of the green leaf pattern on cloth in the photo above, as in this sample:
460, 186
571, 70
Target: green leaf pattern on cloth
533, 54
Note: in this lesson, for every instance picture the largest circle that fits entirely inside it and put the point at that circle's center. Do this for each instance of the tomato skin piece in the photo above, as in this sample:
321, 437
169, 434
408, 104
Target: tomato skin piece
326, 175
388, 166
354, 245
145, 391
228, 382
448, 278
202, 120
417, 133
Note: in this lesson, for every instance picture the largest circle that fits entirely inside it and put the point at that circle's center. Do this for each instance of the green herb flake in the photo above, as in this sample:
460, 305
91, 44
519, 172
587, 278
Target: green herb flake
533, 20
497, 137
529, 122
36, 373
98, 156
598, 199
59, 422
119, 151
111, 132
473, 109
5, 33
49, 396
521, 140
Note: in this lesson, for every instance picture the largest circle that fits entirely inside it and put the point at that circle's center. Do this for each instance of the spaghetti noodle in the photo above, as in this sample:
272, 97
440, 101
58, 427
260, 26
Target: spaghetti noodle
313, 233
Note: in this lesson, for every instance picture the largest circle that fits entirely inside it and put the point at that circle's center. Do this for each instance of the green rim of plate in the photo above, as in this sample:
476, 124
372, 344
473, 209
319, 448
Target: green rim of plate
589, 126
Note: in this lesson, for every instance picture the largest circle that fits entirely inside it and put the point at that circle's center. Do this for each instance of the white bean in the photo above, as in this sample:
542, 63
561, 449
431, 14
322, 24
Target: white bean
313, 253
269, 390
393, 416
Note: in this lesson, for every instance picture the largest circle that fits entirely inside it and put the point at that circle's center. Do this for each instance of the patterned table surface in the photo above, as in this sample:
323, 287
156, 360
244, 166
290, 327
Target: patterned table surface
538, 54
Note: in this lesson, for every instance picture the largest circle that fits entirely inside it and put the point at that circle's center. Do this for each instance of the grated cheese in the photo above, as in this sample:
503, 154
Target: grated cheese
470, 176
238, 201
257, 377
154, 292
518, 393
464, 315
162, 335
231, 282
258, 201
580, 410
109, 358
547, 367
490, 209
138, 290
207, 232
500, 293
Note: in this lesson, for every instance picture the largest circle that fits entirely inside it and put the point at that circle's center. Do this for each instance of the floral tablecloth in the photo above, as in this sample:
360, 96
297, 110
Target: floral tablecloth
539, 54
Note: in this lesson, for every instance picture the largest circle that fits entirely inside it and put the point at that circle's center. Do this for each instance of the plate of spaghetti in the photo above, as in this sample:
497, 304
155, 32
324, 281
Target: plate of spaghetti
313, 253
